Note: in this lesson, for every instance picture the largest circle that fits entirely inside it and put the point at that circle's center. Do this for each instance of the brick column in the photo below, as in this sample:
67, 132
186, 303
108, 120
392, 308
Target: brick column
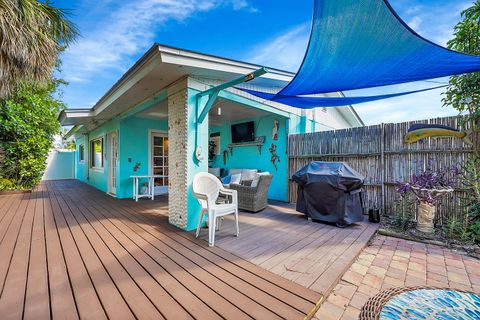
177, 156
183, 208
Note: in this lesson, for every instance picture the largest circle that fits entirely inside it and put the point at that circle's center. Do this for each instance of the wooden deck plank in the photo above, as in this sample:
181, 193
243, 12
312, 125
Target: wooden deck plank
196, 249
62, 302
323, 258
280, 293
134, 262
312, 240
121, 298
37, 297
158, 264
303, 257
176, 251
336, 270
261, 274
10, 237
12, 296
12, 212
106, 258
86, 298
280, 242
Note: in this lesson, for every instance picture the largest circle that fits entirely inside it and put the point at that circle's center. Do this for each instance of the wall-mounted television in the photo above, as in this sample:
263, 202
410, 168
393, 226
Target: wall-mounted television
243, 132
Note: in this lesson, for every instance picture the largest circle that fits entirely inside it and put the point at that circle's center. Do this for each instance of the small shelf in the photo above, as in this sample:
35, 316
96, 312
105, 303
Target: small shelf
259, 142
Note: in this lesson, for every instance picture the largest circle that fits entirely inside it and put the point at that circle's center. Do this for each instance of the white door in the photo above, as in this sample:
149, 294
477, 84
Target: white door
159, 161
112, 162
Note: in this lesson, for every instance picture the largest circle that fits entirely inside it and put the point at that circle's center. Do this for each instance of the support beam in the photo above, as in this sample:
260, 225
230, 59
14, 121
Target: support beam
212, 93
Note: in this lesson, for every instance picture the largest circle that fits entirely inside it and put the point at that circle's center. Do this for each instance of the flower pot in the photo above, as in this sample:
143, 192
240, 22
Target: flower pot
425, 216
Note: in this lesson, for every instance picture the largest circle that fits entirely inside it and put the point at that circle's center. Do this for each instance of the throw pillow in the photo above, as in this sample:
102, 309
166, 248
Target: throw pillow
226, 180
235, 178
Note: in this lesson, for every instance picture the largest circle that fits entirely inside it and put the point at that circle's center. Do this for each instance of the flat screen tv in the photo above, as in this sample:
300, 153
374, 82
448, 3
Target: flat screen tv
243, 132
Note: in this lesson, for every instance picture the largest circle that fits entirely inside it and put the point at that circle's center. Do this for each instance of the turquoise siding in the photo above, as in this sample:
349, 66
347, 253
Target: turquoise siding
132, 145
133, 148
99, 177
249, 158
193, 166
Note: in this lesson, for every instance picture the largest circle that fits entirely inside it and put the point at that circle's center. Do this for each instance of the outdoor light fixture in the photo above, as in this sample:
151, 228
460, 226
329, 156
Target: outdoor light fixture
219, 111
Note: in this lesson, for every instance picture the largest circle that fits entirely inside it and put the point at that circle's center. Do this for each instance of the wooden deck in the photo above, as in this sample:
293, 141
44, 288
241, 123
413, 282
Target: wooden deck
68, 251
281, 240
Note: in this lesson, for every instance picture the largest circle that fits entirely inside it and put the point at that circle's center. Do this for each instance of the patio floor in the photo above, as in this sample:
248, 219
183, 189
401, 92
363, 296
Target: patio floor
390, 262
70, 251
281, 240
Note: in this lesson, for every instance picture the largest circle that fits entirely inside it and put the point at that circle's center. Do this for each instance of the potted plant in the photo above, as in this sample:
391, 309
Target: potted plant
428, 187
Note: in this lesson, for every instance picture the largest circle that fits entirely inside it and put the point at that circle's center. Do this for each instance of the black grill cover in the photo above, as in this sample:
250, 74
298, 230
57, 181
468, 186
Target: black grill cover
330, 191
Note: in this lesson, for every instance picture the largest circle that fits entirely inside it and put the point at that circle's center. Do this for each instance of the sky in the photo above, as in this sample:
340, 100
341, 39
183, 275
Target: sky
273, 33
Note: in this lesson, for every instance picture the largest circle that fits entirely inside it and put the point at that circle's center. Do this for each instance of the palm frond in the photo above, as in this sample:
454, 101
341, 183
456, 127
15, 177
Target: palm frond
32, 34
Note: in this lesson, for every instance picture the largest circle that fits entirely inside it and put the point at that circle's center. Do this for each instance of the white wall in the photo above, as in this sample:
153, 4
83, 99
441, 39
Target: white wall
60, 165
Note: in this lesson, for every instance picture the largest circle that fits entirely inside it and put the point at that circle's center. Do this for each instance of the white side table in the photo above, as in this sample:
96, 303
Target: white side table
150, 179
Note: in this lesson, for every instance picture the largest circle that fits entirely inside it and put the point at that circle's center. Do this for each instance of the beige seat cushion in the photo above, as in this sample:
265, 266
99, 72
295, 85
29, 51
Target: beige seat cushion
257, 178
248, 174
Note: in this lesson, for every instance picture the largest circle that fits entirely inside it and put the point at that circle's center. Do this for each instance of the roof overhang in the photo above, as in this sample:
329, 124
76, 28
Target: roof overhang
157, 69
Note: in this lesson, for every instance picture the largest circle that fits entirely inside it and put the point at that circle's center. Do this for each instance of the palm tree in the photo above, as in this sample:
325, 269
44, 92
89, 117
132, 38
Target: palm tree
32, 33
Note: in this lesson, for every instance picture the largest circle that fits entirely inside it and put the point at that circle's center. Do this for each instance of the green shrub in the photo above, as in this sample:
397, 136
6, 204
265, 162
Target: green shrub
5, 184
404, 208
28, 123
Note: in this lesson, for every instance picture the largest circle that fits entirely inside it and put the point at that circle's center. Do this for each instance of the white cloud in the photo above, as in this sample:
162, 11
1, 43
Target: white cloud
286, 51
243, 5
424, 105
127, 30
415, 23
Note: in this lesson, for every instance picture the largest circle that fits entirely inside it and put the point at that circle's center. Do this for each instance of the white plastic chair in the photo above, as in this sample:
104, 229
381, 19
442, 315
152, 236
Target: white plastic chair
206, 188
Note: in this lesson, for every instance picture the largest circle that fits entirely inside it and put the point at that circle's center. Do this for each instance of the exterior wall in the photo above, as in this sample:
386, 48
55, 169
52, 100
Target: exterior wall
249, 158
99, 177
133, 148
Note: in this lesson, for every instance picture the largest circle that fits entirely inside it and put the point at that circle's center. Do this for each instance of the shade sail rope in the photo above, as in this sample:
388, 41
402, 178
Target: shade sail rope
358, 44
314, 102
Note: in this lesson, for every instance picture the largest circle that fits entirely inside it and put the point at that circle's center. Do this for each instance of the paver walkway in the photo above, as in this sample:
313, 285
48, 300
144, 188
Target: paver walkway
390, 262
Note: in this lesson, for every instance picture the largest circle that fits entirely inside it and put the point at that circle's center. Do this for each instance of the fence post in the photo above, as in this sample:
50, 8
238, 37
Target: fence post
382, 167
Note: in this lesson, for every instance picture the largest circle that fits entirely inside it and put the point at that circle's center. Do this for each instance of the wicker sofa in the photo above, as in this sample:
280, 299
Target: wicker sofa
253, 199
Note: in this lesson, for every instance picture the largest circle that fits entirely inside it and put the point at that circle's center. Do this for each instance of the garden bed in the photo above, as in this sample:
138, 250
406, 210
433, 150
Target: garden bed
388, 228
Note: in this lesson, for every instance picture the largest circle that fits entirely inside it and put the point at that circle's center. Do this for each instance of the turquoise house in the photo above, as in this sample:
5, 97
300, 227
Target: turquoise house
148, 124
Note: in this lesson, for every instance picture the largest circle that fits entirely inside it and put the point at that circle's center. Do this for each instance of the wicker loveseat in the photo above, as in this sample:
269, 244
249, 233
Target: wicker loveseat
253, 199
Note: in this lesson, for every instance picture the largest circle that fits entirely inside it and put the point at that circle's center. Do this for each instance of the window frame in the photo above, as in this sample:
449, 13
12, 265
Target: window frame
92, 154
81, 153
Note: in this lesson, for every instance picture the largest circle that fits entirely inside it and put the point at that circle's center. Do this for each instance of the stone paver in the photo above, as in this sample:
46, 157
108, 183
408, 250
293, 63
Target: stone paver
389, 262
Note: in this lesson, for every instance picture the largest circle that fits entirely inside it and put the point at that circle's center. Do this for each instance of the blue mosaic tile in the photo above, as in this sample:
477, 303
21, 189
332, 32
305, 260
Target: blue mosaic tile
438, 304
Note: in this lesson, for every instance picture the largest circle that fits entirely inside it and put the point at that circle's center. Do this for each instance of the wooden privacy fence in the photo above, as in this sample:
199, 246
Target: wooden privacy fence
380, 154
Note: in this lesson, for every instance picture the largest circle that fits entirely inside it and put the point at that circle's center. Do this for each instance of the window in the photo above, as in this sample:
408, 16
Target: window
96, 153
81, 153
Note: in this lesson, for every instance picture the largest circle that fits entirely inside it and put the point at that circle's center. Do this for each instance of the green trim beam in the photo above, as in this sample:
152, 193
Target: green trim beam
212, 93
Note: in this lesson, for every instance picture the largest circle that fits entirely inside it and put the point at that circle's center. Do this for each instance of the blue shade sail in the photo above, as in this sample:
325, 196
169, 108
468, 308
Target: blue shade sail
357, 44
315, 102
